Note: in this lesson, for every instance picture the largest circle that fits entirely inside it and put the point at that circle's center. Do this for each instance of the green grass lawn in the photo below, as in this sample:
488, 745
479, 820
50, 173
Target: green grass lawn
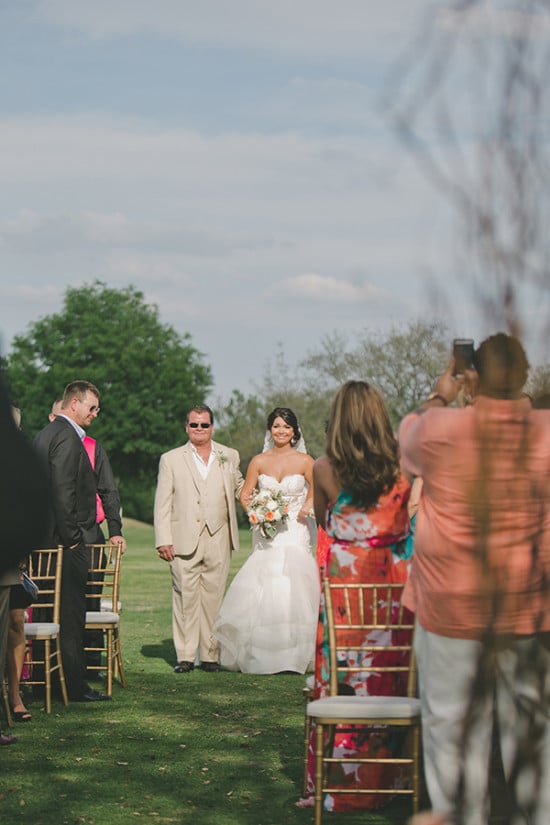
204, 748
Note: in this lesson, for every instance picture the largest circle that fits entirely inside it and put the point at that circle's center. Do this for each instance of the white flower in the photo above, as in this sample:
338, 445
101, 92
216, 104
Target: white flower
264, 509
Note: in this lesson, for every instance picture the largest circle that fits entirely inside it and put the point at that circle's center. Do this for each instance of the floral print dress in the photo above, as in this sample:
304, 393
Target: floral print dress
366, 546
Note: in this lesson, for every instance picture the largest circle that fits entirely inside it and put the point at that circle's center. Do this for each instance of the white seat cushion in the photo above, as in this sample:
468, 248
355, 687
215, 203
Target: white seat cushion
107, 604
102, 617
361, 707
35, 629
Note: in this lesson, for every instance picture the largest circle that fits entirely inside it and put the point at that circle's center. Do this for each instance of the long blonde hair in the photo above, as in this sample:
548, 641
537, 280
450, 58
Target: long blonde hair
361, 444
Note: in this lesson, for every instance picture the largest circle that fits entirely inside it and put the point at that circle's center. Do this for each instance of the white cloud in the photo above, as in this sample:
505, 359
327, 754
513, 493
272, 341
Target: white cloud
23, 302
105, 153
32, 232
213, 227
327, 289
320, 29
45, 292
133, 185
489, 20
281, 216
333, 103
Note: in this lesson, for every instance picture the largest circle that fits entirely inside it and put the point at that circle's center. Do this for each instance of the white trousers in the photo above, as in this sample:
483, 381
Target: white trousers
459, 681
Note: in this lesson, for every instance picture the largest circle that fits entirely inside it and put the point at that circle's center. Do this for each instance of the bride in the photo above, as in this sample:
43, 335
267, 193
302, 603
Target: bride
267, 622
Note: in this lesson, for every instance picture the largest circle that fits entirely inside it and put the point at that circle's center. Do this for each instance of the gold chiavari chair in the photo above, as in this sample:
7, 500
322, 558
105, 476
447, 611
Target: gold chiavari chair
359, 618
104, 612
43, 632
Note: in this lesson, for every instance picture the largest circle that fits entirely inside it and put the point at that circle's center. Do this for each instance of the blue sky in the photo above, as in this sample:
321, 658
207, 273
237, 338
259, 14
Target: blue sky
231, 159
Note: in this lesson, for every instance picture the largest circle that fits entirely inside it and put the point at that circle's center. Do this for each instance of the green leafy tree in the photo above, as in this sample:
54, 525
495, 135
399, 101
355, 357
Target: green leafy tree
539, 381
240, 423
242, 420
290, 385
403, 364
148, 376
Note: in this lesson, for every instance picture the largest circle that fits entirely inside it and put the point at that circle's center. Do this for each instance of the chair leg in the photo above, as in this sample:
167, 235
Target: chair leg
48, 675
415, 768
7, 711
109, 655
118, 659
307, 735
61, 673
319, 734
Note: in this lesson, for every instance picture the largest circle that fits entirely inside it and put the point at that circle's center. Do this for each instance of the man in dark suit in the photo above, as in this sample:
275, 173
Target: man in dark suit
73, 523
24, 497
107, 509
24, 491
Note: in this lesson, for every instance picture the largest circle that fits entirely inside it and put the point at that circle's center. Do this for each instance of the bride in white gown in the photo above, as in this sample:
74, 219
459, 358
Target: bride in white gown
268, 620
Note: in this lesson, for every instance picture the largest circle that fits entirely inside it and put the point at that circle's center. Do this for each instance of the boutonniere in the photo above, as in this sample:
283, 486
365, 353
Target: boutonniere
222, 458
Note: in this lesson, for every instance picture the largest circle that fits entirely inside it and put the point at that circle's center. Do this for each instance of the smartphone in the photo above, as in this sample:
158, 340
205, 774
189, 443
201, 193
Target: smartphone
463, 353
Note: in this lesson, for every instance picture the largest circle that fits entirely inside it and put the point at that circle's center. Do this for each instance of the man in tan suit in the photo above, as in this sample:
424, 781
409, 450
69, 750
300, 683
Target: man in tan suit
196, 530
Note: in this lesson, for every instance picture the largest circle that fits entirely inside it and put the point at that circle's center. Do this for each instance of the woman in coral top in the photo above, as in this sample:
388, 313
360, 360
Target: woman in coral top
360, 499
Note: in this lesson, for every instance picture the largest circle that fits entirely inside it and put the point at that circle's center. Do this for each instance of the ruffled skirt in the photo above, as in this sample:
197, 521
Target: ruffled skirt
267, 622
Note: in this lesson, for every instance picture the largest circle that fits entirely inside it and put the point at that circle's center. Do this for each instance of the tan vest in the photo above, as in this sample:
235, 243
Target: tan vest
213, 504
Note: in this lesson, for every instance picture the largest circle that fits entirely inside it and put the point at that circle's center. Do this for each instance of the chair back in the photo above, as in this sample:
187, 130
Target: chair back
104, 577
370, 633
45, 570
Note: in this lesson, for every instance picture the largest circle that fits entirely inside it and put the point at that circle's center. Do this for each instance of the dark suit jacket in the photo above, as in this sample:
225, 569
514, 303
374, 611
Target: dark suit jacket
107, 490
24, 491
73, 516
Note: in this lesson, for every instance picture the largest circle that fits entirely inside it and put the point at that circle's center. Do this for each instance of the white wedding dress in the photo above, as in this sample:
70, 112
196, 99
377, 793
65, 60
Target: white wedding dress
268, 620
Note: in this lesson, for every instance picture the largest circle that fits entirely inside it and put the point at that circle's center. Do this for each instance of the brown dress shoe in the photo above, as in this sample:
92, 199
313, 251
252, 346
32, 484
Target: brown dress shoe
7, 739
184, 667
211, 667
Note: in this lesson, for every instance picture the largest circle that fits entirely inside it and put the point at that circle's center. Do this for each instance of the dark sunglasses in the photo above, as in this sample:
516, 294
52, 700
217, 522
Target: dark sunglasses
203, 424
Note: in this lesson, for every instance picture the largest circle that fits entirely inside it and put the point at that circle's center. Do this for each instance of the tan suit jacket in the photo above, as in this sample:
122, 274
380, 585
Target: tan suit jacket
179, 513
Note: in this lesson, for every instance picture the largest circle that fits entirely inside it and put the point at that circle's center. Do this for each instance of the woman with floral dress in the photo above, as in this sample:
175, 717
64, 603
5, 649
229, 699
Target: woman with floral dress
360, 499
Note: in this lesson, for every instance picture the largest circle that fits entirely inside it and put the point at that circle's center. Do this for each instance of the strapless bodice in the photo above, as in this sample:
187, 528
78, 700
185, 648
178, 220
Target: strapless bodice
293, 488
292, 485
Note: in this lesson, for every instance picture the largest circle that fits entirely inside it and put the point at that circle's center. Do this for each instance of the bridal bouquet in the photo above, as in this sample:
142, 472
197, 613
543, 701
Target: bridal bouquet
265, 510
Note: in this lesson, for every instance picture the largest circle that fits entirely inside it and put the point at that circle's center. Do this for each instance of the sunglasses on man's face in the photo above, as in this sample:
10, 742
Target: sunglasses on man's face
203, 424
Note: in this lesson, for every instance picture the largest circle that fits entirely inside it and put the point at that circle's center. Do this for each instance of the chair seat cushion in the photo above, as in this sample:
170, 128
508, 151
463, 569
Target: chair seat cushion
102, 617
106, 605
364, 707
45, 629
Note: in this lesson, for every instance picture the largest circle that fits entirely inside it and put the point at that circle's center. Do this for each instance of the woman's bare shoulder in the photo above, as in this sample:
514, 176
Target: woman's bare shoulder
322, 464
254, 463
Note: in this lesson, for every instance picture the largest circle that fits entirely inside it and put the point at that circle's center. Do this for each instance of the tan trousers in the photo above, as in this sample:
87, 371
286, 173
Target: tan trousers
198, 585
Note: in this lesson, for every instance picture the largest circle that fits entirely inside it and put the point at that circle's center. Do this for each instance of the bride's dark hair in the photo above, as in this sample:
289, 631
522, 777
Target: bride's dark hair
361, 444
289, 418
